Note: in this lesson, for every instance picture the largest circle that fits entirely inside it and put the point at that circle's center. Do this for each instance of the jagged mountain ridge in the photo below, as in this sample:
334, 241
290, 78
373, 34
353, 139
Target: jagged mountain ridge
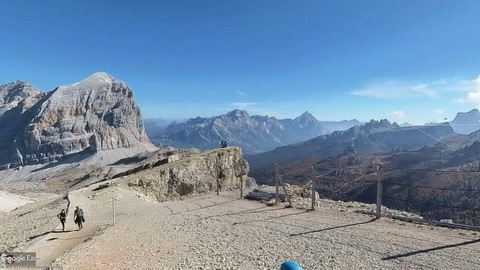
466, 122
372, 137
18, 94
97, 113
253, 133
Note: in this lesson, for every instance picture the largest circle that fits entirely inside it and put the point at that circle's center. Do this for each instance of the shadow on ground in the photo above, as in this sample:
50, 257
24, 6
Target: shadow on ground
402, 255
48, 232
333, 228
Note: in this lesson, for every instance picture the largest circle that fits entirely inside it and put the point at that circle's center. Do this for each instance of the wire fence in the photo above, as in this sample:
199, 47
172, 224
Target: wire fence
451, 201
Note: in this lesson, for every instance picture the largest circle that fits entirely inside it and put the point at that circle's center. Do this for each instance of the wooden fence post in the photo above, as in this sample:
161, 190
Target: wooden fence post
379, 192
276, 183
285, 191
241, 188
113, 204
313, 187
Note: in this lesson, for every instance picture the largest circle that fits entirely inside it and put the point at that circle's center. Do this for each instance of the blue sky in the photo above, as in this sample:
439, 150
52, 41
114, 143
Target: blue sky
407, 61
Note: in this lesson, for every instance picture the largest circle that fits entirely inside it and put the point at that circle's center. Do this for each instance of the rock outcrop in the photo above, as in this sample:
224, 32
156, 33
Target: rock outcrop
97, 113
200, 173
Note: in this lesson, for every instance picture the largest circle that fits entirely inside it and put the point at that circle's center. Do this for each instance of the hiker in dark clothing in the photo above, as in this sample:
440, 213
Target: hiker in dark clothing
78, 217
63, 218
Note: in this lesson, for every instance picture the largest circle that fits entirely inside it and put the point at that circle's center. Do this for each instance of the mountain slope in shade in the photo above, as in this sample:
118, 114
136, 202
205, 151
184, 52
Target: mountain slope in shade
253, 133
373, 137
466, 123
97, 113
449, 169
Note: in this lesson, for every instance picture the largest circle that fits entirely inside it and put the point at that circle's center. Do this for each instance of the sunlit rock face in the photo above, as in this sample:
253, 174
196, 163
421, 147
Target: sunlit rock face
222, 168
97, 113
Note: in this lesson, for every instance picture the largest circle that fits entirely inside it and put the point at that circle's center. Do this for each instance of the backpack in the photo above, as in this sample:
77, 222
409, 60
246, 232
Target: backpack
80, 213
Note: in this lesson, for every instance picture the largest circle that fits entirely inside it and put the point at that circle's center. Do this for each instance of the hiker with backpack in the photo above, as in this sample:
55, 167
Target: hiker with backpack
78, 218
63, 218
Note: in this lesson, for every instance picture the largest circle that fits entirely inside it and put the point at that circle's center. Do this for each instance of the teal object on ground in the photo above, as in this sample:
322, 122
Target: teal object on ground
290, 265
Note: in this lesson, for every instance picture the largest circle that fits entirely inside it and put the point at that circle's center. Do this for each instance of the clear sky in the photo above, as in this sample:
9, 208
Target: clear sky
407, 61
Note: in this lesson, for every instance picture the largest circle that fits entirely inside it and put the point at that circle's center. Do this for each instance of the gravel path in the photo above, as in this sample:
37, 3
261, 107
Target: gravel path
56, 242
223, 232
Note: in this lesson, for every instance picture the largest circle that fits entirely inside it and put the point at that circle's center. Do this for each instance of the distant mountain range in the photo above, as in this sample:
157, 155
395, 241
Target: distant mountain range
254, 134
372, 137
156, 126
257, 134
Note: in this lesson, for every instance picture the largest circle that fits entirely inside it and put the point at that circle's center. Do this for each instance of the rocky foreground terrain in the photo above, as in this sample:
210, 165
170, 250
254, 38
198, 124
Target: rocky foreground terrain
225, 232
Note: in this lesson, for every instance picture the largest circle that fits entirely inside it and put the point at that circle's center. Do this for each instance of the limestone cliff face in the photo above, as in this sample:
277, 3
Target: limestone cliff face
197, 174
97, 113
18, 94
16, 102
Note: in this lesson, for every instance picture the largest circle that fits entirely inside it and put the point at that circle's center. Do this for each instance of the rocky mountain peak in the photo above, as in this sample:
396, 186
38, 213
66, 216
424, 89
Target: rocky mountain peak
17, 88
375, 125
305, 118
13, 84
100, 76
95, 82
238, 114
96, 113
99, 79
18, 94
195, 121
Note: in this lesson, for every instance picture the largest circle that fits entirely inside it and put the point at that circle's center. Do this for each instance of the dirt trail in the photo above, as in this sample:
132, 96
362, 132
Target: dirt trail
57, 242
223, 232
